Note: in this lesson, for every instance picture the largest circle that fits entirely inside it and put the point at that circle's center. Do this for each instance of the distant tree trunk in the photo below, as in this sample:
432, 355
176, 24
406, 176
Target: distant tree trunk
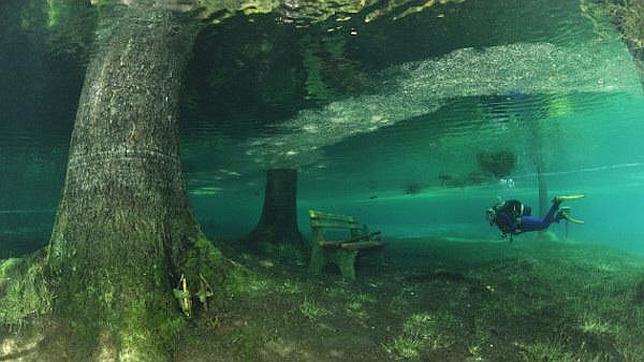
543, 187
278, 223
124, 233
536, 143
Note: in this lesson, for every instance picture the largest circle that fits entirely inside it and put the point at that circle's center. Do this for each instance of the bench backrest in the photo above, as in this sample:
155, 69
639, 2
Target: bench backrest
324, 220
321, 219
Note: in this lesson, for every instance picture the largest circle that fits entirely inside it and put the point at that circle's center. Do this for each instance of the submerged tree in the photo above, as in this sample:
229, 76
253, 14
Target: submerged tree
277, 227
536, 143
124, 234
498, 164
531, 117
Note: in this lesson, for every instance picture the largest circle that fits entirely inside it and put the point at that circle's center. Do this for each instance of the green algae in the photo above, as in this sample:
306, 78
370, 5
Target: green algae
423, 332
311, 310
24, 292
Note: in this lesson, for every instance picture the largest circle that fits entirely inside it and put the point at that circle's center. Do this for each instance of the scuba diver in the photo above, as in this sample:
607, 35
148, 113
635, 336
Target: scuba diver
513, 218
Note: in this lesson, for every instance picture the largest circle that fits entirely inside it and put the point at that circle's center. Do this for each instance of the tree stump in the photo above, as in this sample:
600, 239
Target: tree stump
277, 229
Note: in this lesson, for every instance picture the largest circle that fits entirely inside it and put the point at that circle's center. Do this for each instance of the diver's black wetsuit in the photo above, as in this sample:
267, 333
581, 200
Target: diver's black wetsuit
512, 217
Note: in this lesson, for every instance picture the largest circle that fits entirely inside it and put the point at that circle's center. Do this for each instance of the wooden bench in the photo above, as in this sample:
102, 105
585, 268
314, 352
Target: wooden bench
342, 253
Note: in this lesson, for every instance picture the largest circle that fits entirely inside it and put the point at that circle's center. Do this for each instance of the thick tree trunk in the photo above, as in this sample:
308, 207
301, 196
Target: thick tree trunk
124, 233
277, 226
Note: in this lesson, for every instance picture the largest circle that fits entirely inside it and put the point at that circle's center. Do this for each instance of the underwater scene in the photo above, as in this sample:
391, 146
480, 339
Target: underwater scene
311, 180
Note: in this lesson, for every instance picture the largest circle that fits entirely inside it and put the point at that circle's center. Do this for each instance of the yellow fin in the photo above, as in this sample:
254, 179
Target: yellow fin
572, 219
570, 197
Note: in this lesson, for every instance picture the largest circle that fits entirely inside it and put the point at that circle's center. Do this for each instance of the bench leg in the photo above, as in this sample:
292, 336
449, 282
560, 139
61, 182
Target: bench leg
318, 260
381, 257
346, 261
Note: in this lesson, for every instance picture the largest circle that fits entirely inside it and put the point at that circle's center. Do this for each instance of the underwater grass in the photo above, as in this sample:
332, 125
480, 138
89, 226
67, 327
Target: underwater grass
463, 302
357, 303
421, 333
546, 352
23, 290
312, 310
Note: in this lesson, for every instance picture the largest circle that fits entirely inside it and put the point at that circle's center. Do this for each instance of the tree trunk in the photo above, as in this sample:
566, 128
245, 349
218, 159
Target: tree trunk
543, 187
536, 143
124, 233
277, 227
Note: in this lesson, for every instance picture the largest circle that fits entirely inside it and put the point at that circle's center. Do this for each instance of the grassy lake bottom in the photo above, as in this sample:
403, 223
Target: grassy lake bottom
440, 300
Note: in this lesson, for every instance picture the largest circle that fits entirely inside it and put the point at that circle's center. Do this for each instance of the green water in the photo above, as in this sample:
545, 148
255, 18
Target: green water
361, 116
383, 112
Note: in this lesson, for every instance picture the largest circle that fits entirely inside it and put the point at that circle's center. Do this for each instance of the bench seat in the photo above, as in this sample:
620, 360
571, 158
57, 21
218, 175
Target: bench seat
342, 253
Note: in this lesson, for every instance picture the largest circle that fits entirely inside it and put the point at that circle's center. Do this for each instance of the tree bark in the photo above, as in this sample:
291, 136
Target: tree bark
277, 227
124, 233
